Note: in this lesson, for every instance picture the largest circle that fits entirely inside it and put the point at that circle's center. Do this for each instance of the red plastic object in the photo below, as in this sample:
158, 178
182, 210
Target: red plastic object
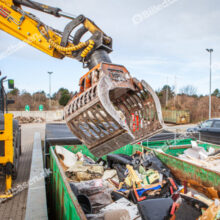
173, 208
185, 187
173, 183
171, 190
137, 196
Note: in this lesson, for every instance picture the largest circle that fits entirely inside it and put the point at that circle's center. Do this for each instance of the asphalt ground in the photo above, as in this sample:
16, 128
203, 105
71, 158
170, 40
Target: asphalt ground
14, 208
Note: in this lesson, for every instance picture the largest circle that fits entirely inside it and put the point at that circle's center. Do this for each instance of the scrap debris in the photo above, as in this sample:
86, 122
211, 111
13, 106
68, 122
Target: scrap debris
27, 120
80, 172
198, 155
213, 212
132, 187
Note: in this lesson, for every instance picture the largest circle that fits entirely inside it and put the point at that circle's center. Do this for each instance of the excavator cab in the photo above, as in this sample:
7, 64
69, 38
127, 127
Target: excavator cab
113, 109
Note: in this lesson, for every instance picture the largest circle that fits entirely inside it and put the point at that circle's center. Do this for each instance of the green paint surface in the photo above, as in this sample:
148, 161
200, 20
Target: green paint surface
27, 108
41, 108
63, 202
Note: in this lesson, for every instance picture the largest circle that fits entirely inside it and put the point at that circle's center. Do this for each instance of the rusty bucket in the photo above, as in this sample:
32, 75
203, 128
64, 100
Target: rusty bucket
113, 109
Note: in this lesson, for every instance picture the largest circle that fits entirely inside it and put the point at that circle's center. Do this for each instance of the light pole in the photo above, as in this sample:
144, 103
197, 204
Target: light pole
50, 73
210, 84
167, 93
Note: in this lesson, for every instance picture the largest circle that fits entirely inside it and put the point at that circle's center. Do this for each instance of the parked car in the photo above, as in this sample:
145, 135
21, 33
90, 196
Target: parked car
208, 131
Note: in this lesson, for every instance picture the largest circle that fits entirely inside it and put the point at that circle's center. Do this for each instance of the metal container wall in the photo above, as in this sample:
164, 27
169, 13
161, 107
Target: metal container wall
176, 117
61, 199
64, 205
156, 144
186, 171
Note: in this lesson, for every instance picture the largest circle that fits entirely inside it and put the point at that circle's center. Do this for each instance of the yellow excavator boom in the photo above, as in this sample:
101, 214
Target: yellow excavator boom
111, 109
28, 28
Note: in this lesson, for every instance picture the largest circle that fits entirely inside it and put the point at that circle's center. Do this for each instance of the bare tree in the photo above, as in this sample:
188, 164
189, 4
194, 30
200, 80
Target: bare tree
188, 90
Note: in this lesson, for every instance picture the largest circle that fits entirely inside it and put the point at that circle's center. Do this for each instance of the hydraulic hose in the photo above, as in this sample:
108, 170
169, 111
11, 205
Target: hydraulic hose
89, 46
67, 49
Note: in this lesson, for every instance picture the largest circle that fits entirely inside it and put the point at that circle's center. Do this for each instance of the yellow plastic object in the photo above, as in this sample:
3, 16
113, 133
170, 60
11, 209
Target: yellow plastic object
128, 181
153, 177
136, 181
6, 135
145, 182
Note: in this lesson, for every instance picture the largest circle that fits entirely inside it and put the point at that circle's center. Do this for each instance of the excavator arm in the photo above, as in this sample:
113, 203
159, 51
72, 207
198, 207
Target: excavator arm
111, 109
59, 44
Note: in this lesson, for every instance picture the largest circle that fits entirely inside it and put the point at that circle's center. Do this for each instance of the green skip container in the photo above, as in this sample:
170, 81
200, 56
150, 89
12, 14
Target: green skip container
63, 203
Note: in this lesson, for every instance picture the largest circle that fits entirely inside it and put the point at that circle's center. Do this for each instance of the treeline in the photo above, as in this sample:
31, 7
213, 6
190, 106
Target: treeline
188, 99
23, 98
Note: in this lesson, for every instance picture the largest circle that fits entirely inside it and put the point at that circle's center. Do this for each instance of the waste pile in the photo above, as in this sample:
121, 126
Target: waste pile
132, 187
27, 120
198, 155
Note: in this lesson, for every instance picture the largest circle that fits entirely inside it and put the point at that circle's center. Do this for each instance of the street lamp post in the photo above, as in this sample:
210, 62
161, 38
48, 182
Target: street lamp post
210, 84
50, 73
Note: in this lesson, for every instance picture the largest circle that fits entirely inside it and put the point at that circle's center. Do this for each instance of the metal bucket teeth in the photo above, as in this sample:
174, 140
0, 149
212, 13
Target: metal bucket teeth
114, 111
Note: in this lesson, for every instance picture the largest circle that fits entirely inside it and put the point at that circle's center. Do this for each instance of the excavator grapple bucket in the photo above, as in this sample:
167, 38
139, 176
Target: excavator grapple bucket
113, 109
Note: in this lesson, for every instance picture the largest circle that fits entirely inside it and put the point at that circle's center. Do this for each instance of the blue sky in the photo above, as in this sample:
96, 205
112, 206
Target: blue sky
166, 46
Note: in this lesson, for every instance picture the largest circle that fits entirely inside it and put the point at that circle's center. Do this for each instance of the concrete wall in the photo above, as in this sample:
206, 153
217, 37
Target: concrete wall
47, 115
36, 207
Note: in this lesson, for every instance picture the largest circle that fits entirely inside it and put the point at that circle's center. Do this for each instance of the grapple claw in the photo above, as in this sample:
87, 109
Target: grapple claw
113, 109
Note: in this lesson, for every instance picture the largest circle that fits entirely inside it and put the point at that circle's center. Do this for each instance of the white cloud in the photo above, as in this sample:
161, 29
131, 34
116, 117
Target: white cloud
172, 42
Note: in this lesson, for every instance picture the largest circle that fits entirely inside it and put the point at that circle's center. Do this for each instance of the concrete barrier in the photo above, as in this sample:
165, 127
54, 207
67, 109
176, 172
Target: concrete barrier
47, 115
36, 207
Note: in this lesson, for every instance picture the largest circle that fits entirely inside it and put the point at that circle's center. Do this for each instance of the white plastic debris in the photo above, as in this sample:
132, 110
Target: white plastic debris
199, 156
211, 150
217, 202
196, 152
202, 156
109, 174
68, 158
123, 204
194, 144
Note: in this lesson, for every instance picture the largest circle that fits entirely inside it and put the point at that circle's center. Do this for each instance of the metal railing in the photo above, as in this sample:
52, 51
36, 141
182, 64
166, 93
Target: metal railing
176, 136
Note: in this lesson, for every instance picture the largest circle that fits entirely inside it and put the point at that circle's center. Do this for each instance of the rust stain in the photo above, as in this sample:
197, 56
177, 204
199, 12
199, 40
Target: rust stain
198, 184
208, 191
211, 212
